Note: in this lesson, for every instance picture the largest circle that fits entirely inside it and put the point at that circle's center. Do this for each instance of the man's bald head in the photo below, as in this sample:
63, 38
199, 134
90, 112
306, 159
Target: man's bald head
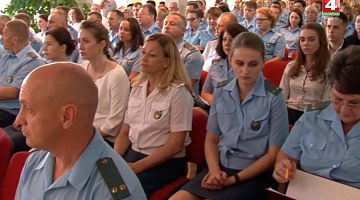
63, 83
224, 19
19, 29
57, 19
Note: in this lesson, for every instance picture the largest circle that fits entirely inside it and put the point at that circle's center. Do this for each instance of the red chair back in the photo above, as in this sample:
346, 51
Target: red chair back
5, 152
273, 71
286, 54
202, 80
12, 176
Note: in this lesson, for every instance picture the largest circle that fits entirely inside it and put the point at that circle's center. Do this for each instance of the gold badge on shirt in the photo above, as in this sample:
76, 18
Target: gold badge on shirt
157, 114
9, 79
128, 62
255, 125
268, 45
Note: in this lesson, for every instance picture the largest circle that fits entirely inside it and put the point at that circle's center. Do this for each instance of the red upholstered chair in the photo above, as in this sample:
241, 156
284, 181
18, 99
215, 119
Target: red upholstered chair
13, 175
5, 152
194, 153
273, 71
286, 54
202, 80
293, 56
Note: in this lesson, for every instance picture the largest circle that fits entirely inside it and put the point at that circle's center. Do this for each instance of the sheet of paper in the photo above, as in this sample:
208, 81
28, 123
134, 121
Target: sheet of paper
306, 186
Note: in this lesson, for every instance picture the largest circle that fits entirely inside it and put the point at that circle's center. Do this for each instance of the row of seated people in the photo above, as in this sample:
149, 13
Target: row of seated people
246, 128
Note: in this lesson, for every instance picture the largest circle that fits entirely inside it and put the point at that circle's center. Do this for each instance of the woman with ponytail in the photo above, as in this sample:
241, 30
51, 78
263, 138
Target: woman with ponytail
110, 78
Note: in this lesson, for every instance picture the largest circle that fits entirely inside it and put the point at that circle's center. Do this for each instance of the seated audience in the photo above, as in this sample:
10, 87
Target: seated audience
58, 103
127, 51
95, 16
58, 45
155, 131
109, 77
193, 19
246, 127
76, 15
292, 29
335, 32
304, 81
355, 37
311, 14
161, 14
325, 140
350, 27
41, 22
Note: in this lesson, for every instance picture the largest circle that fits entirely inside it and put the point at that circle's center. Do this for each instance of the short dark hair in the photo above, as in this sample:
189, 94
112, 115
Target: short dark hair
194, 4
153, 3
79, 14
119, 14
344, 70
151, 10
98, 15
198, 12
251, 4
302, 3
62, 36
233, 29
130, 5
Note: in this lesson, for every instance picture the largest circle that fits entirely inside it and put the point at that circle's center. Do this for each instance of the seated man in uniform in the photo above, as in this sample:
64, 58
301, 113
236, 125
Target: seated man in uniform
58, 104
15, 64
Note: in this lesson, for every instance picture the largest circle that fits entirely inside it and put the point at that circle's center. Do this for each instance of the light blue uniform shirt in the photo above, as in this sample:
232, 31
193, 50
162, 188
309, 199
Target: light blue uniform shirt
240, 144
152, 30
318, 141
14, 68
203, 24
291, 38
279, 24
2, 51
193, 61
190, 37
218, 72
130, 60
250, 27
82, 181
35, 42
202, 37
210, 54
238, 15
350, 30
114, 39
274, 43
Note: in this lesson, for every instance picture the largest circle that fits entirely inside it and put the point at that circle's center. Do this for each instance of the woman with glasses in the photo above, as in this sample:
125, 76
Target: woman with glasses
127, 50
303, 81
193, 18
292, 30
325, 141
246, 127
273, 40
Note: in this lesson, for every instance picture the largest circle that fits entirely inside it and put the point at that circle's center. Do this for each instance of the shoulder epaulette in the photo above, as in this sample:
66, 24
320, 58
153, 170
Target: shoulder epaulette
189, 46
270, 87
32, 150
32, 39
318, 106
223, 83
32, 54
112, 178
215, 60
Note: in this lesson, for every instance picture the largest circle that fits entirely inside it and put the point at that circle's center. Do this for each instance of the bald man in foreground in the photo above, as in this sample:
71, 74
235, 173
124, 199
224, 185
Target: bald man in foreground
58, 104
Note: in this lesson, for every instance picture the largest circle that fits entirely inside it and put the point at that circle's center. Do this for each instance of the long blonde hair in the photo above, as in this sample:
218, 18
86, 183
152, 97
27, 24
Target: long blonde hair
175, 73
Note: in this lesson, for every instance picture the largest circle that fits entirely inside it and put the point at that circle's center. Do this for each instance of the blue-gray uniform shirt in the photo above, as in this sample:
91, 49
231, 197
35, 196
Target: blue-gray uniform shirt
152, 30
2, 50
280, 24
238, 15
210, 54
318, 141
75, 56
274, 43
130, 60
113, 39
203, 24
218, 72
291, 38
247, 128
250, 27
190, 37
82, 181
35, 42
350, 30
193, 61
202, 37
14, 68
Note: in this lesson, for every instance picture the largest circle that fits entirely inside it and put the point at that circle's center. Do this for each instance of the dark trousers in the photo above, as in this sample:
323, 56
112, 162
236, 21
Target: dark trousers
158, 176
6, 118
294, 115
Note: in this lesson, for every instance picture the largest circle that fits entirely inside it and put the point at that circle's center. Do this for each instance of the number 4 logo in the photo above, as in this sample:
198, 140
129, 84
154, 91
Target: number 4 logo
331, 4
331, 8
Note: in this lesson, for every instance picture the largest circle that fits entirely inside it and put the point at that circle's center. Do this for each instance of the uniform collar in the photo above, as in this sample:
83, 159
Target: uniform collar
151, 28
257, 90
23, 51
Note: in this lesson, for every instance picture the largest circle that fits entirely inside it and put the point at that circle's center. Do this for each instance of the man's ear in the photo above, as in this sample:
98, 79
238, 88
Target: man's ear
68, 116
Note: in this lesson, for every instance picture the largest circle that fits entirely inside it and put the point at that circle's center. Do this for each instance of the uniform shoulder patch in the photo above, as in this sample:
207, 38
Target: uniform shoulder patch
32, 39
112, 178
189, 46
215, 60
32, 54
270, 87
318, 106
32, 150
223, 83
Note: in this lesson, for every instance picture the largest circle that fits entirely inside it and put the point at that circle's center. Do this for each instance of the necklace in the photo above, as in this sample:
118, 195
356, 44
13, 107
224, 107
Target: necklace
94, 76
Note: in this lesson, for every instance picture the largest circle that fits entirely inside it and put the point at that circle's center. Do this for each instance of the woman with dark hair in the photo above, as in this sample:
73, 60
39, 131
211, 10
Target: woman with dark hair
325, 141
221, 69
193, 18
246, 127
273, 40
41, 22
304, 81
76, 15
355, 37
58, 45
292, 30
155, 131
110, 78
127, 52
